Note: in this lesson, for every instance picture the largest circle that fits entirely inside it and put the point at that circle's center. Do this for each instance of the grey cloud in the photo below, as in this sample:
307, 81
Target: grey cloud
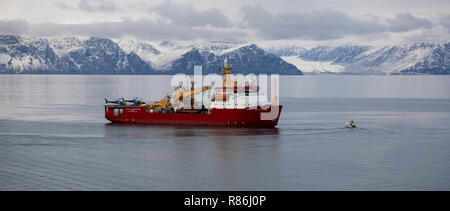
143, 29
407, 22
64, 6
184, 22
322, 25
185, 14
445, 22
99, 5
91, 6
14, 27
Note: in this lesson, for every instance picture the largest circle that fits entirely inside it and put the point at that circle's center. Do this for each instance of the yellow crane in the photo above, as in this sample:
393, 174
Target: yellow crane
181, 94
191, 92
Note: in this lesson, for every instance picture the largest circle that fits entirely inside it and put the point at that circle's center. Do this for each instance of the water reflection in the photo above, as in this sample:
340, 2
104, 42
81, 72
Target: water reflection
117, 130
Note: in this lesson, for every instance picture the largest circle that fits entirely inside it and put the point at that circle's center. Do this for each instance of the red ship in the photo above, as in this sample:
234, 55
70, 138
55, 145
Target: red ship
232, 106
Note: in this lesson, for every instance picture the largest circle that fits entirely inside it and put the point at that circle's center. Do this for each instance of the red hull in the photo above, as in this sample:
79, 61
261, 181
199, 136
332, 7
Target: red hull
215, 117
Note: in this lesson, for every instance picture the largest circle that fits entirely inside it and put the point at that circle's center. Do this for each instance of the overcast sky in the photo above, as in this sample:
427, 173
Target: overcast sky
307, 22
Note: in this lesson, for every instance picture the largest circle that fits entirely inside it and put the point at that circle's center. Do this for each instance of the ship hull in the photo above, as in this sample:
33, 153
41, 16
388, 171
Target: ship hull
214, 117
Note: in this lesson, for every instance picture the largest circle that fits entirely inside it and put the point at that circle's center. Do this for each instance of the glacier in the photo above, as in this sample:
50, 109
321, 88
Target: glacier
404, 58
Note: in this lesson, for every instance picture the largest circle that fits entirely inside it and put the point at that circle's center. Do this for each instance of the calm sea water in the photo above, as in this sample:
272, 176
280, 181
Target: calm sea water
53, 136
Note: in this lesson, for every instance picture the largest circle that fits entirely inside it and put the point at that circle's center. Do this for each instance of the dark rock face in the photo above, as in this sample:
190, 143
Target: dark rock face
103, 56
244, 60
93, 56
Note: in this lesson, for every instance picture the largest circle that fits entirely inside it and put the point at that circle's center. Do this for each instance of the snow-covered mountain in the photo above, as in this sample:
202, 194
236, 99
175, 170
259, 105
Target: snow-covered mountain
24, 55
162, 54
245, 59
287, 51
67, 56
71, 55
75, 55
404, 58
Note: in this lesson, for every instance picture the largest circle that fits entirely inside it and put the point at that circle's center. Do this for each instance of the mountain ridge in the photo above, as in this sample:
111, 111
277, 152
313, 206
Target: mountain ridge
70, 55
402, 59
74, 55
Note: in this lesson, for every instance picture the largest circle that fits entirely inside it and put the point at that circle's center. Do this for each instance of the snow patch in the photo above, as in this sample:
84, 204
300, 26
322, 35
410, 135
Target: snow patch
407, 61
164, 60
4, 58
65, 45
312, 66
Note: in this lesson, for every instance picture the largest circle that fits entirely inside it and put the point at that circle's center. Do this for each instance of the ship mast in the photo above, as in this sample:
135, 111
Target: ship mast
275, 96
192, 93
227, 70
252, 82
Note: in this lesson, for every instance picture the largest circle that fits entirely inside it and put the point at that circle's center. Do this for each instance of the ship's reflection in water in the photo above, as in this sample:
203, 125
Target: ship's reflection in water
204, 158
115, 130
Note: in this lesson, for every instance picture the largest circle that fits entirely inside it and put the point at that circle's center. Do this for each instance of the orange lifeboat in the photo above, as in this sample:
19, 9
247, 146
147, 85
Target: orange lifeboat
222, 97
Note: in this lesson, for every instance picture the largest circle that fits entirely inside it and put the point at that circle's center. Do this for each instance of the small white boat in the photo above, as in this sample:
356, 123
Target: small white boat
350, 125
